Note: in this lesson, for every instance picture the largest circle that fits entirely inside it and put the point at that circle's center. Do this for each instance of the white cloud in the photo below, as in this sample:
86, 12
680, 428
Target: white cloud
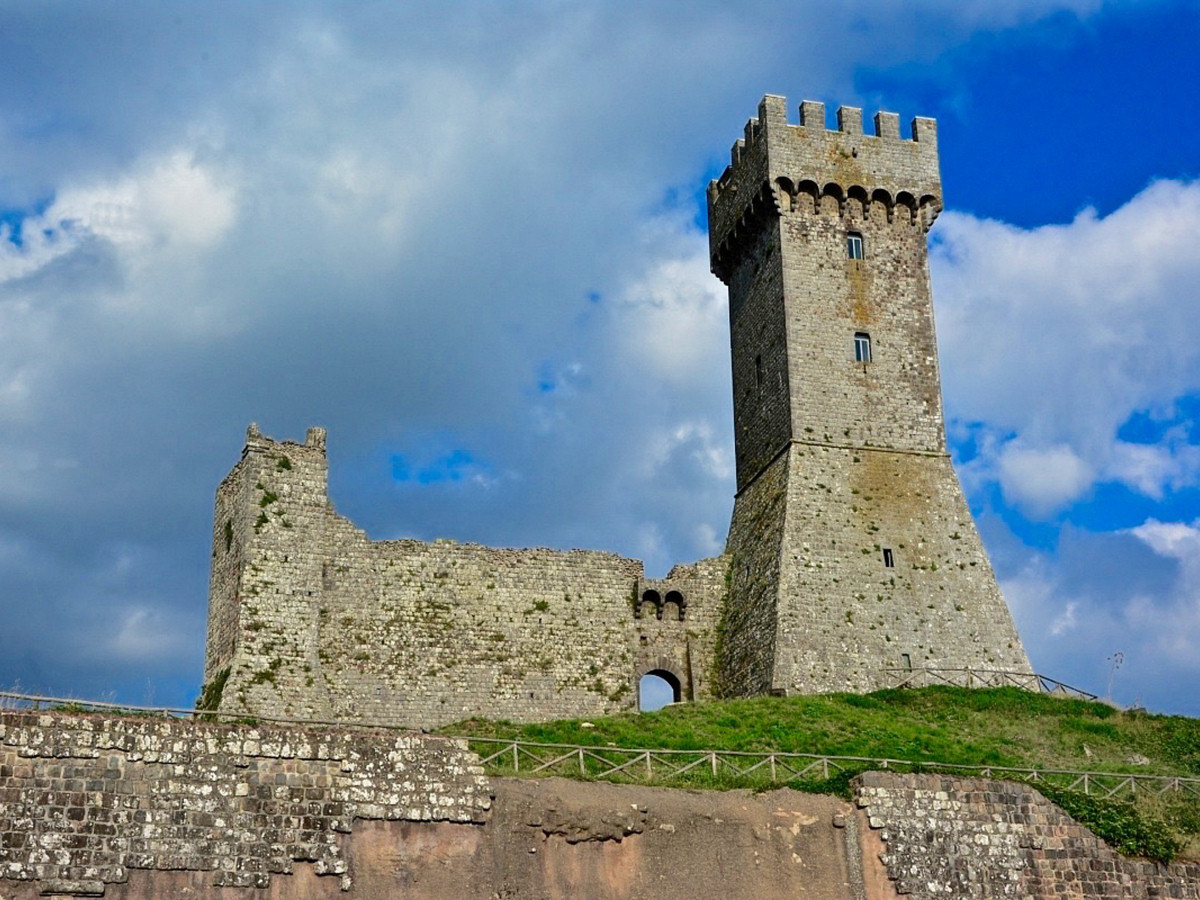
144, 636
1053, 337
1064, 621
1180, 542
1136, 592
1042, 480
678, 315
168, 203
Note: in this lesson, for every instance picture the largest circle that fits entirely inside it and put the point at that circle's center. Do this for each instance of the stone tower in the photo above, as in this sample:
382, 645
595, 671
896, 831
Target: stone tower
851, 550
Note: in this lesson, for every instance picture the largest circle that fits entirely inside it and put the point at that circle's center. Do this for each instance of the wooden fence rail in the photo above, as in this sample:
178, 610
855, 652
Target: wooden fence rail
701, 767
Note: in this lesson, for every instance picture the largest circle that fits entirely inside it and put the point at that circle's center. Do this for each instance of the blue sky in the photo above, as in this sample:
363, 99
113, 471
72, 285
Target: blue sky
470, 242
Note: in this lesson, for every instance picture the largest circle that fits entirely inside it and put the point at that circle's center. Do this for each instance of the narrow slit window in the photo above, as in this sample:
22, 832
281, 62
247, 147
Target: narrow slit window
888, 560
854, 246
758, 372
862, 347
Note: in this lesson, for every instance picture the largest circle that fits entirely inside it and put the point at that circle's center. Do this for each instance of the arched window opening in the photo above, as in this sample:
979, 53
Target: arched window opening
862, 203
658, 689
881, 200
811, 193
674, 606
785, 194
651, 607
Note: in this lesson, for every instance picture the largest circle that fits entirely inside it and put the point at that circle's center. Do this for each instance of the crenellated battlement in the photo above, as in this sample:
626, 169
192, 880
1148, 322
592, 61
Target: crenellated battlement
775, 163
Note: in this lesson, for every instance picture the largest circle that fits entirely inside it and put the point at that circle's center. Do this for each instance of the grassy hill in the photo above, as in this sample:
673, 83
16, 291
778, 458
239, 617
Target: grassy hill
931, 727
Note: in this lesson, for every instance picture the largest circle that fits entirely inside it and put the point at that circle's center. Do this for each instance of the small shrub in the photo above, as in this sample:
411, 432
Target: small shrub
210, 693
1125, 829
267, 675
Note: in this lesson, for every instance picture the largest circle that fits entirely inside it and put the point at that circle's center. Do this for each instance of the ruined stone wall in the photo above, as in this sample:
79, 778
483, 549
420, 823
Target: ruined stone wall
852, 548
976, 838
313, 620
86, 800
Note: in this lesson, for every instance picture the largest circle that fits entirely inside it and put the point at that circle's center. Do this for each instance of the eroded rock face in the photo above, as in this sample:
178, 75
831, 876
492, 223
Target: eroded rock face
551, 839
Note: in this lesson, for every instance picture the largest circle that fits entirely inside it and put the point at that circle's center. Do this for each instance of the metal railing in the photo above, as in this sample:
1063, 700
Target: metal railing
979, 678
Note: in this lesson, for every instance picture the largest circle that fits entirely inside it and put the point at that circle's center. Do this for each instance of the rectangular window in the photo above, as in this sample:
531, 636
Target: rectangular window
854, 246
888, 559
906, 661
862, 347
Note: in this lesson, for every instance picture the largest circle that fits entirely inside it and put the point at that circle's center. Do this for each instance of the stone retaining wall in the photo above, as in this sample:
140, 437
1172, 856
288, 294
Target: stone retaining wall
85, 799
977, 838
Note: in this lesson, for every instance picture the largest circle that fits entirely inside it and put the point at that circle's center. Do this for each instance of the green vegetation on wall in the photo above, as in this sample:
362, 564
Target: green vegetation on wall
210, 693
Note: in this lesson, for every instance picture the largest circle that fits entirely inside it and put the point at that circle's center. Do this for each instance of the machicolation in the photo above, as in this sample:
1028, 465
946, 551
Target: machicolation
851, 549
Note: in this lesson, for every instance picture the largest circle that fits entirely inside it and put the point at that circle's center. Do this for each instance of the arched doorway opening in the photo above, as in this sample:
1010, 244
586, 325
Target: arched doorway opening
657, 689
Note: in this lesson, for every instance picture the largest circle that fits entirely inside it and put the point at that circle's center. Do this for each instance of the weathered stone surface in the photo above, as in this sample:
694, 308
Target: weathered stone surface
976, 838
552, 839
86, 799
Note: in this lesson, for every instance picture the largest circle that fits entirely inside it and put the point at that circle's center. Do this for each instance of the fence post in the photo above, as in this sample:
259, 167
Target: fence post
773, 776
580, 760
713, 756
516, 758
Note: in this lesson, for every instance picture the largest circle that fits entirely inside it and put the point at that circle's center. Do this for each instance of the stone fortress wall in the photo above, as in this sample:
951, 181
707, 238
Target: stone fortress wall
132, 808
851, 549
310, 619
